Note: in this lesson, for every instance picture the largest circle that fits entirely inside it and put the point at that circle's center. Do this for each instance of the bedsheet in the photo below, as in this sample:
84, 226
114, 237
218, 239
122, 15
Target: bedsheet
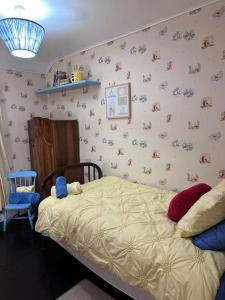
123, 227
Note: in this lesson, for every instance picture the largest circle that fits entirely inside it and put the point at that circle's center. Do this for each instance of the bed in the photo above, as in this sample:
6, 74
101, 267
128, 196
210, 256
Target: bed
120, 230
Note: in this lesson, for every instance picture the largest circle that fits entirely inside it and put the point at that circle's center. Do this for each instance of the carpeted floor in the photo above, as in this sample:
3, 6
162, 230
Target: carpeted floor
85, 290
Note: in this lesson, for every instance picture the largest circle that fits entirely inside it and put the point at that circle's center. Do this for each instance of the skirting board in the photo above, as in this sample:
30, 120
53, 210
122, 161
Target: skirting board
112, 279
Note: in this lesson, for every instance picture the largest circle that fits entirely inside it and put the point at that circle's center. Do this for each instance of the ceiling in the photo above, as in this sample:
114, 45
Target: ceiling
74, 25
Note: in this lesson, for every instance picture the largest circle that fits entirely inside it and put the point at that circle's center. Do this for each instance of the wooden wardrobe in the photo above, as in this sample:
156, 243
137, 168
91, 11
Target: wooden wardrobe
53, 144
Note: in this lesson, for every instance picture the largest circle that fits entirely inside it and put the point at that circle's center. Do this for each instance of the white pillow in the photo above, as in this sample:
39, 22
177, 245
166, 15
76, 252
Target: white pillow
73, 188
205, 213
25, 189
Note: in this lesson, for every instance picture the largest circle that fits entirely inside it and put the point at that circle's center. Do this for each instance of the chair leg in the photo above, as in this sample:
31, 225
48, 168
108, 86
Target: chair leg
30, 219
5, 220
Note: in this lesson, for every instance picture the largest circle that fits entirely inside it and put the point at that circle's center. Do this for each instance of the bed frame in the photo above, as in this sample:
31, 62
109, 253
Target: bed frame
109, 277
82, 172
79, 173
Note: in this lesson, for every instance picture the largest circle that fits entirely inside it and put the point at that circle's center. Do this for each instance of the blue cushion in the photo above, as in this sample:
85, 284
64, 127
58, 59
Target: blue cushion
221, 291
19, 206
19, 198
211, 239
61, 187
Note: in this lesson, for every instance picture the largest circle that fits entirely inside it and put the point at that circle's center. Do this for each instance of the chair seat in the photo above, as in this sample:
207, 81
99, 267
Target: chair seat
10, 206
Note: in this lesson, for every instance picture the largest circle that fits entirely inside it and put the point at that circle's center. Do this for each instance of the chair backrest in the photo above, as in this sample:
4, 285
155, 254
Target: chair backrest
21, 179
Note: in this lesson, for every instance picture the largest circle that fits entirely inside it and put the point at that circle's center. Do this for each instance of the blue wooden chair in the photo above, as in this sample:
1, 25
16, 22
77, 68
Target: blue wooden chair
19, 182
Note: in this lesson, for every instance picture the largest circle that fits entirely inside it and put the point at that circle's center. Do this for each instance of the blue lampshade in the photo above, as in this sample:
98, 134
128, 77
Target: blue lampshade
22, 37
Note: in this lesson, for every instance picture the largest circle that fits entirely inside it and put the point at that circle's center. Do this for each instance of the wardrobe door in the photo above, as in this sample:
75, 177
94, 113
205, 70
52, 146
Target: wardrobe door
41, 148
66, 146
65, 142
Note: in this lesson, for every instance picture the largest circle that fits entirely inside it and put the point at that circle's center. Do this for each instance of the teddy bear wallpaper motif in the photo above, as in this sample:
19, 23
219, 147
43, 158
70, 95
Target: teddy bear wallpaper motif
176, 134
18, 103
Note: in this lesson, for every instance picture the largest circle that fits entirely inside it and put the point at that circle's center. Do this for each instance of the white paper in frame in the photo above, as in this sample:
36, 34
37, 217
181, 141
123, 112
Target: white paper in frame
118, 102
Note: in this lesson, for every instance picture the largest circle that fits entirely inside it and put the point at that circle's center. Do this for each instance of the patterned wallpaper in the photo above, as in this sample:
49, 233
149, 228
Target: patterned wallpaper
176, 136
18, 103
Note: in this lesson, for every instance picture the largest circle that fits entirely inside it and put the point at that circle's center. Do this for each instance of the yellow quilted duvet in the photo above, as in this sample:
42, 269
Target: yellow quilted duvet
124, 228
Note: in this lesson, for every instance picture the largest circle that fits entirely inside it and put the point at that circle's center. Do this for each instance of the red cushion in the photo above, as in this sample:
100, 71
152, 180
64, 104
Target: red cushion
183, 201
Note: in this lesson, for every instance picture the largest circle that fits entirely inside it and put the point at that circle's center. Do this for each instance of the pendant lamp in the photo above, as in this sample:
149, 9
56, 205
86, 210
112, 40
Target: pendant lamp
21, 36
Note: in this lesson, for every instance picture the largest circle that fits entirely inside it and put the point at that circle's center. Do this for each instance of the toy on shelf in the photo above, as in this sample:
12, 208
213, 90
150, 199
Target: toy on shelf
77, 75
60, 77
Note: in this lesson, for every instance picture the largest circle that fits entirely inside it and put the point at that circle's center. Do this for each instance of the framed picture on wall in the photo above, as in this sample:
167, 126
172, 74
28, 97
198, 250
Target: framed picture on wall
118, 104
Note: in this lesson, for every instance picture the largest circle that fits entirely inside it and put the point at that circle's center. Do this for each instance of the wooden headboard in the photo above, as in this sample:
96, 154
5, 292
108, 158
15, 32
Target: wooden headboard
72, 173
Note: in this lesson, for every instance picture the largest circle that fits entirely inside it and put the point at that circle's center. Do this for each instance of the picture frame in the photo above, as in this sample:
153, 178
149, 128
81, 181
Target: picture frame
118, 101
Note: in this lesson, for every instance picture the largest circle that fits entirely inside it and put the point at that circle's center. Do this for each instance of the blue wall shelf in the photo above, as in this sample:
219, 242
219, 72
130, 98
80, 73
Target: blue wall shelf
73, 85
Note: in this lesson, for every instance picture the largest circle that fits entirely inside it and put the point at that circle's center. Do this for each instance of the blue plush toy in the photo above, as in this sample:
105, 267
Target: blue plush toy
61, 187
